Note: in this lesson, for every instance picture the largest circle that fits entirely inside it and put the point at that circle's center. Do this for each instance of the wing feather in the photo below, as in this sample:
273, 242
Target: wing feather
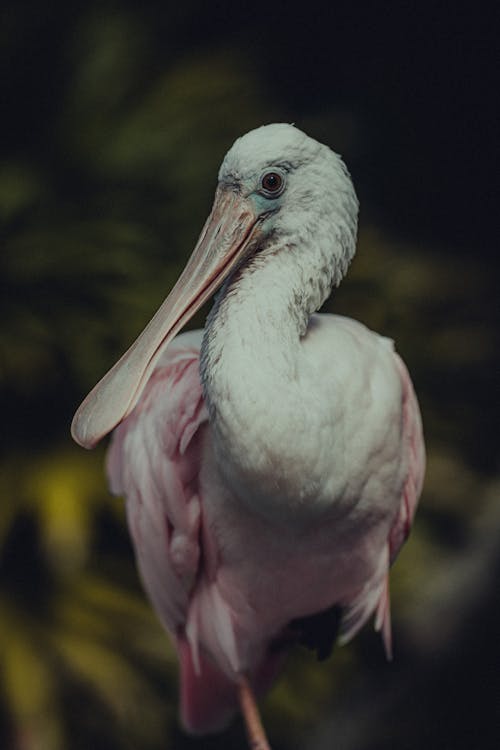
375, 596
414, 451
154, 461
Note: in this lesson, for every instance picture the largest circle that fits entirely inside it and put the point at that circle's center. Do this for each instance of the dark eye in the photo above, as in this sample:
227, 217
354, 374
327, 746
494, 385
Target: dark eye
272, 183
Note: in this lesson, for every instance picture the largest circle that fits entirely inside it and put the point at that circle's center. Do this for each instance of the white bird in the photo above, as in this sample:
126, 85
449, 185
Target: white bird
272, 462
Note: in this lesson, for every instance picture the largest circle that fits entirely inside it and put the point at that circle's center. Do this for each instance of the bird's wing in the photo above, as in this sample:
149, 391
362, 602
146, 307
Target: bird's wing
154, 460
414, 454
375, 596
414, 451
413, 448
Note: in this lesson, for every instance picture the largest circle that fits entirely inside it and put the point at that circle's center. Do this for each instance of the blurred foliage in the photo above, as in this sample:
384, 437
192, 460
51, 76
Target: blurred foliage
97, 220
74, 626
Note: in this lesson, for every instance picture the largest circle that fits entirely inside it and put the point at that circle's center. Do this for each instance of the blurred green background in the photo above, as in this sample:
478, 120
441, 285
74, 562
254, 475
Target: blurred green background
115, 117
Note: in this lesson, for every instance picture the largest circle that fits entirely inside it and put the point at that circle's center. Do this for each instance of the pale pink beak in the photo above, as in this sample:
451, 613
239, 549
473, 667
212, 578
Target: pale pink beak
229, 230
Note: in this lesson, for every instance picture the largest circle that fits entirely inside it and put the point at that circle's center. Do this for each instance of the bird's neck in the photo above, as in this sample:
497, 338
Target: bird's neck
250, 359
252, 338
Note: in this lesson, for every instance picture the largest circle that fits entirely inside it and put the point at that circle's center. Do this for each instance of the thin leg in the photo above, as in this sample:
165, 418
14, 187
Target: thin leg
255, 731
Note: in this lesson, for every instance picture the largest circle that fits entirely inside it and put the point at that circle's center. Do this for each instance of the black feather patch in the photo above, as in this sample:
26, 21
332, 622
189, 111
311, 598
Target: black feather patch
318, 632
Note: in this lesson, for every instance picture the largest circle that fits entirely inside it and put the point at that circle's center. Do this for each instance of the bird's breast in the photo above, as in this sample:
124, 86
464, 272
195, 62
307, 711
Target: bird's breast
301, 427
271, 449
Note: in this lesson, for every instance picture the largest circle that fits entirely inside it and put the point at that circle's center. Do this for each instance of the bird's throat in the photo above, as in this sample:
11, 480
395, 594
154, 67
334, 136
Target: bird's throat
250, 363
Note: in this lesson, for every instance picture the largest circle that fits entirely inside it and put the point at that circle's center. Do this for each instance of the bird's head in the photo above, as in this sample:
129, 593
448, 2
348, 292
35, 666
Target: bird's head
297, 192
278, 191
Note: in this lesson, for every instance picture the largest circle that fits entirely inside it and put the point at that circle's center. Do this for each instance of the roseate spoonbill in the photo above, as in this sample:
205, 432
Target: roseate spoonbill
272, 462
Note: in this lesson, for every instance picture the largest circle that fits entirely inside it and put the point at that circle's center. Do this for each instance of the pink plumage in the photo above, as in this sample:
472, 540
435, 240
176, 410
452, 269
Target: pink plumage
155, 459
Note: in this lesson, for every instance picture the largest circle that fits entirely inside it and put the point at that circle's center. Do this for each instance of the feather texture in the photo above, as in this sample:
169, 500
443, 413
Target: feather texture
196, 545
272, 463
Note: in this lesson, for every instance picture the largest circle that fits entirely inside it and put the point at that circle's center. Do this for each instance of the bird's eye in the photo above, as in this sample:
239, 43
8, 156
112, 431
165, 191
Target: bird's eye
272, 183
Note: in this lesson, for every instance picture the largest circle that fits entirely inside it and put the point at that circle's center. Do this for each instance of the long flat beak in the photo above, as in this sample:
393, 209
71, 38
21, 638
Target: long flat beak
229, 230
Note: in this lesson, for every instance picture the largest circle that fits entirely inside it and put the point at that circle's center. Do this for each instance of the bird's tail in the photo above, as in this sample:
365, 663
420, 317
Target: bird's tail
208, 698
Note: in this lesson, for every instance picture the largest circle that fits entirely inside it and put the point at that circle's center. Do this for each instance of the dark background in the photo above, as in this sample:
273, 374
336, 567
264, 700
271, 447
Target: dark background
115, 117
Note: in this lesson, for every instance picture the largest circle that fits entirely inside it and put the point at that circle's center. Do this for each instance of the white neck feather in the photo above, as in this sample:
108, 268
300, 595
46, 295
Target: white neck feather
252, 365
251, 342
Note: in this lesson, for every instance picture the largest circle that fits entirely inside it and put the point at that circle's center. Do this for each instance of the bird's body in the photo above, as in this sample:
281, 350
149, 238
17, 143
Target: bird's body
271, 463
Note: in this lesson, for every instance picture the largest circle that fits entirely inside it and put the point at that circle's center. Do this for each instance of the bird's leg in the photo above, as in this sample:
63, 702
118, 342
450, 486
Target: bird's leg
255, 731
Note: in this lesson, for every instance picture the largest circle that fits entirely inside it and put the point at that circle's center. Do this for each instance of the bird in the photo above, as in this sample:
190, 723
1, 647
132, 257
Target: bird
273, 461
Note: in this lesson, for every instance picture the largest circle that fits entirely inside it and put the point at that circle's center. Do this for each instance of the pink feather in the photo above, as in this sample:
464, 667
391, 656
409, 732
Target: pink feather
155, 460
